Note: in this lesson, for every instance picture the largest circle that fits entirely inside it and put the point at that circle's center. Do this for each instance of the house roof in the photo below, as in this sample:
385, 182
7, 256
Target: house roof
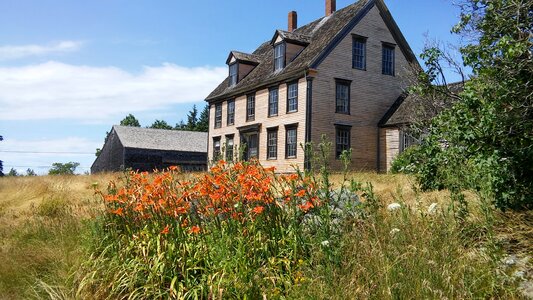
291, 37
321, 35
409, 107
161, 139
244, 57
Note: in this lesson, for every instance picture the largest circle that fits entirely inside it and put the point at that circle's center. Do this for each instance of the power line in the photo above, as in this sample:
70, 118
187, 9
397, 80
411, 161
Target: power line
45, 152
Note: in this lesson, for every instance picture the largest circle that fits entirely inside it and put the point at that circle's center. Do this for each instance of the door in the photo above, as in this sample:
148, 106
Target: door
250, 141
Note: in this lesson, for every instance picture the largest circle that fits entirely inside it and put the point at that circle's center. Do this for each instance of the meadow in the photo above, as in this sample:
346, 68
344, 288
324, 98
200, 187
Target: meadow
243, 232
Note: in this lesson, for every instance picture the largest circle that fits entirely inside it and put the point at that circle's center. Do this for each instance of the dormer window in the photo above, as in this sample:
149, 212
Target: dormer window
233, 74
279, 56
240, 64
287, 46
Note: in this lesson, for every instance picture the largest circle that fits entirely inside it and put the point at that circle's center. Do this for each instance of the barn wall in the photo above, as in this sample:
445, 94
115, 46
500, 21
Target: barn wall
149, 160
111, 159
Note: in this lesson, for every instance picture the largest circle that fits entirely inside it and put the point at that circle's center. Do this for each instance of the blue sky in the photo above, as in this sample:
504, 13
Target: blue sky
69, 70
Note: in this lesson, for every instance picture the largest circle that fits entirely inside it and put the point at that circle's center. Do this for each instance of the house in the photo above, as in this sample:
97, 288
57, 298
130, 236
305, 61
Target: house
146, 149
338, 76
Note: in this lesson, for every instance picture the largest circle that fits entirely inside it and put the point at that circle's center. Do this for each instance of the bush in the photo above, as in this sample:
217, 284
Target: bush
238, 231
406, 161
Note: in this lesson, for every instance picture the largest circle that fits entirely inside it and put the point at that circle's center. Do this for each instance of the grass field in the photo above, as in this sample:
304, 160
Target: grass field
46, 225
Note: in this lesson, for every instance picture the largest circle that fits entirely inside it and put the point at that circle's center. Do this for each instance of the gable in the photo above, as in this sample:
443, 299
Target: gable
375, 13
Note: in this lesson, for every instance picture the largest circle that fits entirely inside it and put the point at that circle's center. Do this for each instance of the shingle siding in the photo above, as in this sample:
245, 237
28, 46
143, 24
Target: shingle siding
261, 117
111, 159
372, 93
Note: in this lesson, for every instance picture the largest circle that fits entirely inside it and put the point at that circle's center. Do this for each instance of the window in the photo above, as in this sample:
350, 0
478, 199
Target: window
290, 142
231, 112
273, 102
229, 148
342, 139
218, 115
359, 53
250, 107
342, 96
216, 148
233, 74
388, 60
272, 143
279, 56
406, 140
292, 97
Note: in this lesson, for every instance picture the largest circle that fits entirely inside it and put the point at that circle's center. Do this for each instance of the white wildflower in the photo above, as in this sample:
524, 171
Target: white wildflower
394, 231
393, 206
432, 209
325, 243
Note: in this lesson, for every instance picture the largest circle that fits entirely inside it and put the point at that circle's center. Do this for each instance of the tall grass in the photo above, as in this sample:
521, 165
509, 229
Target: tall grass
41, 232
58, 241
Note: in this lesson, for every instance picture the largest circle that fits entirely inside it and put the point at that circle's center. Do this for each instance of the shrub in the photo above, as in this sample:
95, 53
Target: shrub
238, 231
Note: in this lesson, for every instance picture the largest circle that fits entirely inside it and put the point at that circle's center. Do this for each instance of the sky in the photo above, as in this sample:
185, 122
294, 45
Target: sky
70, 69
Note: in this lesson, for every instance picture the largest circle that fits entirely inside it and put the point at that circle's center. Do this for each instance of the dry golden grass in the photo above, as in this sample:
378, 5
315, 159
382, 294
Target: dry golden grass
41, 223
41, 227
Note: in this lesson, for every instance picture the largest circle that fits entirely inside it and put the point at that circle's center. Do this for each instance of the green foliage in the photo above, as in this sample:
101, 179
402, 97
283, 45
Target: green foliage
63, 168
203, 121
406, 162
195, 123
13, 172
405, 254
160, 124
30, 172
130, 120
483, 142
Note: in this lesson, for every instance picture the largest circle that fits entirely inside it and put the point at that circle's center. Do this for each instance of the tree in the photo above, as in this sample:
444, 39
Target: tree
160, 124
1, 162
63, 168
30, 172
130, 120
203, 121
180, 126
484, 141
192, 119
13, 172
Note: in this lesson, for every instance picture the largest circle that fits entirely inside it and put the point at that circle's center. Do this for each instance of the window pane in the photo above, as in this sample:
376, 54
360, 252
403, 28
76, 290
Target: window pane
342, 97
292, 97
388, 60
272, 144
231, 112
279, 56
250, 108
233, 74
342, 140
229, 148
291, 142
358, 53
218, 115
273, 102
216, 148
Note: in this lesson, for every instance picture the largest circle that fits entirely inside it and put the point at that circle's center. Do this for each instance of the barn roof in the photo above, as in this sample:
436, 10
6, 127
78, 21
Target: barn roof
161, 139
320, 36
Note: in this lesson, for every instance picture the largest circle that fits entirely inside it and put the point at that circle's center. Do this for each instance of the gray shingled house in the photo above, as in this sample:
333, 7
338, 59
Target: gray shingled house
342, 76
146, 149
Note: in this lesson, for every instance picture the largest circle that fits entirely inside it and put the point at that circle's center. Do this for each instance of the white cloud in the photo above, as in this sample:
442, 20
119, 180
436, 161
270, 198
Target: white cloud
55, 90
40, 154
15, 52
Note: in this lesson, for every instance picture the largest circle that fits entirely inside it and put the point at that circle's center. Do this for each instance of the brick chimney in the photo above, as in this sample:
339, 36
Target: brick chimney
331, 7
293, 21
